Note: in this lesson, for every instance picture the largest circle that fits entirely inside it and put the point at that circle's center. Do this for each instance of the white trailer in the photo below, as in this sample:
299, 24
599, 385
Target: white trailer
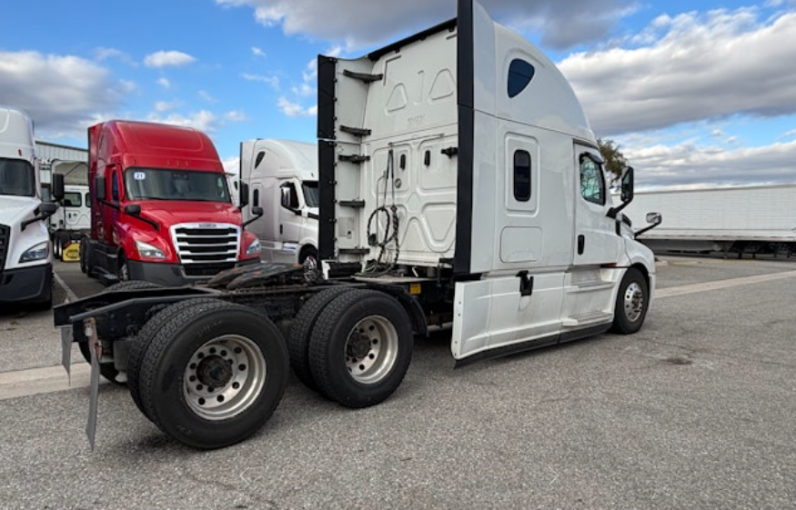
460, 183
25, 255
283, 179
753, 219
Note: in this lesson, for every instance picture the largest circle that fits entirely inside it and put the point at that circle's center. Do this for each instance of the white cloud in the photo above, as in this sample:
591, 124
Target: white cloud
205, 95
303, 90
273, 81
231, 165
63, 94
164, 82
257, 52
292, 109
561, 23
235, 116
692, 164
202, 120
700, 67
101, 54
168, 59
164, 106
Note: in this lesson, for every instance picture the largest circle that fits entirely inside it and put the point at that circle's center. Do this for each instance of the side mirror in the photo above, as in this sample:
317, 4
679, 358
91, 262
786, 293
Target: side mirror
244, 195
626, 193
48, 208
257, 211
132, 209
654, 219
58, 187
627, 185
99, 188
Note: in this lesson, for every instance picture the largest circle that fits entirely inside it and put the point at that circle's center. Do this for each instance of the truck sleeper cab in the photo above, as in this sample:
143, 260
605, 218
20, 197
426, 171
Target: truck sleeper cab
161, 209
25, 254
283, 179
459, 184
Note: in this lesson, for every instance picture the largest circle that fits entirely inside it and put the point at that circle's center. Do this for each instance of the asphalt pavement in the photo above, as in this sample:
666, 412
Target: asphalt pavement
694, 411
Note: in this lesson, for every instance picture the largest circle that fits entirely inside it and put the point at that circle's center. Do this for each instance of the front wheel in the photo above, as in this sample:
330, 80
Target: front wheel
632, 302
360, 348
214, 374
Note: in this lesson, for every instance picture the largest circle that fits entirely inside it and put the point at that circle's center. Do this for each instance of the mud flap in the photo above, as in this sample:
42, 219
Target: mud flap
95, 348
66, 351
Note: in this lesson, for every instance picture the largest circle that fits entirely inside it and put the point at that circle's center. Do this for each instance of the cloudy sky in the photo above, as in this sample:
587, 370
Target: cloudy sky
699, 93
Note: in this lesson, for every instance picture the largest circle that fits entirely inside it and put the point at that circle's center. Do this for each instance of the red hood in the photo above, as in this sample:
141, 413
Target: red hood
169, 213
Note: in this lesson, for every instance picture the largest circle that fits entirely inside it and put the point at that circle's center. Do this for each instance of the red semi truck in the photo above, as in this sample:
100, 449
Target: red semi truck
161, 210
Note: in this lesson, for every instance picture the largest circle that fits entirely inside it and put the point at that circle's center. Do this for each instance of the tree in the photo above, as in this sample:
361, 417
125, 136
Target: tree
615, 161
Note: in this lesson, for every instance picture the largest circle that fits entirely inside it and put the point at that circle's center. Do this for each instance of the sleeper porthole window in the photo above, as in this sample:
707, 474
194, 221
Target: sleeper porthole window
520, 75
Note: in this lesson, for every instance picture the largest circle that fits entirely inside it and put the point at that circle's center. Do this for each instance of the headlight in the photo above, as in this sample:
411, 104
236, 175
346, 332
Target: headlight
147, 251
39, 252
254, 248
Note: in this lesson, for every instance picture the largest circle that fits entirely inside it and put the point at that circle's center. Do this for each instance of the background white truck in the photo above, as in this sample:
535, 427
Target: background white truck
25, 255
283, 179
459, 182
73, 219
752, 219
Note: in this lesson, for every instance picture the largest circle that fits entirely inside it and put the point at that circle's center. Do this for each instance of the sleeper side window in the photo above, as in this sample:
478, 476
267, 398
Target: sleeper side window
520, 75
592, 182
522, 176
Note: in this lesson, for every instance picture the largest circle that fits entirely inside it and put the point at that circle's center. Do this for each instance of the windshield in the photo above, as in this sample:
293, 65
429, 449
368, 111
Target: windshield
311, 198
190, 185
16, 178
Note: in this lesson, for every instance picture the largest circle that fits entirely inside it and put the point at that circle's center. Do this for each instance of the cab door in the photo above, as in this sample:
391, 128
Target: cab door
596, 240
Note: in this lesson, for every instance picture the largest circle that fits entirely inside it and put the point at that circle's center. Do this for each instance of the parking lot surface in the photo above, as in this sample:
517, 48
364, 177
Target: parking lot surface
694, 411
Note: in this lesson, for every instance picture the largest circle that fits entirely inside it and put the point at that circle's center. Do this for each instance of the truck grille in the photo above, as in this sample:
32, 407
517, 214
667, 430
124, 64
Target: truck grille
5, 241
203, 243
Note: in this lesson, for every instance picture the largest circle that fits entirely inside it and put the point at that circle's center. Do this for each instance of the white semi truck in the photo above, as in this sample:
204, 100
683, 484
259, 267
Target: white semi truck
73, 219
25, 255
750, 219
459, 183
283, 178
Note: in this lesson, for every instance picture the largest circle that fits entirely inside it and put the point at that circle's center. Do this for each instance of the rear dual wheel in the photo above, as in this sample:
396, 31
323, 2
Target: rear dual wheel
213, 374
360, 348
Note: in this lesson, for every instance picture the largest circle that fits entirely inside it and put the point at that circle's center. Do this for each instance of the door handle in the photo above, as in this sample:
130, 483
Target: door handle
280, 229
581, 244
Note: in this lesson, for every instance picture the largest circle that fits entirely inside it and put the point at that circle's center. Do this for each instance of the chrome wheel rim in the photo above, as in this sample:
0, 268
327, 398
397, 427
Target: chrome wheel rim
124, 273
371, 349
310, 267
224, 377
634, 302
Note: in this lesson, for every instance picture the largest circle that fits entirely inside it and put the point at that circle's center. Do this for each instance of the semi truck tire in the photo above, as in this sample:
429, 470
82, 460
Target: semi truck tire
360, 348
632, 302
144, 338
214, 374
298, 344
108, 370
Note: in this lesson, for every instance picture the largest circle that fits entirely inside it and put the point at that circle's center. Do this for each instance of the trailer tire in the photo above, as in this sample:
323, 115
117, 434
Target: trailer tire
298, 344
632, 302
360, 348
144, 338
108, 370
214, 374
